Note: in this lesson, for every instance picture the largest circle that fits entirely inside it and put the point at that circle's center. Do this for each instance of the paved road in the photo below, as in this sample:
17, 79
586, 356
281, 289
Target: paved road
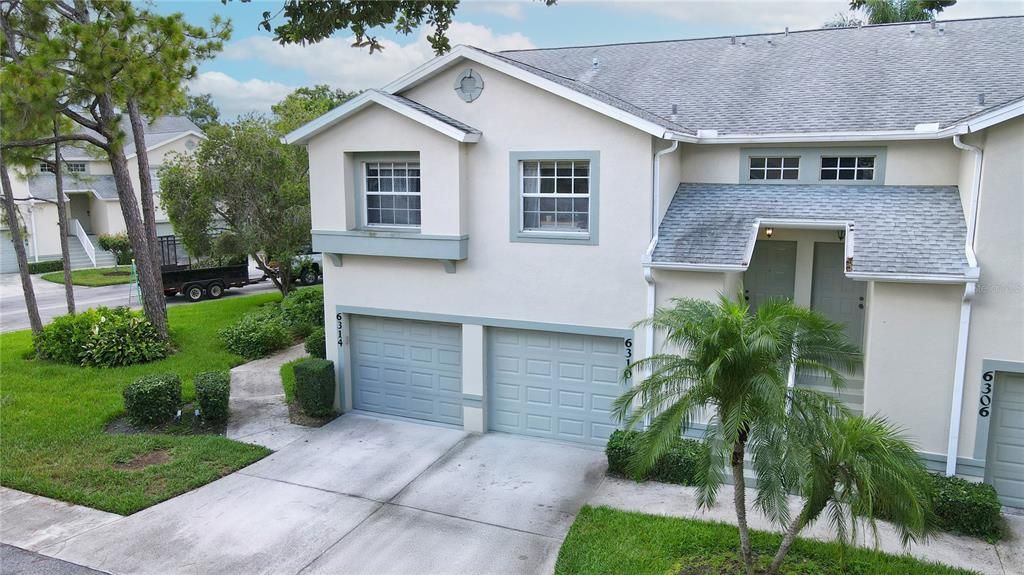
50, 297
15, 561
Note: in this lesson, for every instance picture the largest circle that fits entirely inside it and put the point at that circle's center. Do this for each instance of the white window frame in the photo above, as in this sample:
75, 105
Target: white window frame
517, 219
554, 195
366, 193
782, 168
857, 170
69, 168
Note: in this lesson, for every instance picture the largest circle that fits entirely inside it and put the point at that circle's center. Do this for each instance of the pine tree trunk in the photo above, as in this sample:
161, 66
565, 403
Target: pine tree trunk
740, 501
146, 193
62, 222
153, 302
19, 249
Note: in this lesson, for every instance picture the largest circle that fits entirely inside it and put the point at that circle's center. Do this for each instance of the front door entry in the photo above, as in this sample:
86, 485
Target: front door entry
771, 273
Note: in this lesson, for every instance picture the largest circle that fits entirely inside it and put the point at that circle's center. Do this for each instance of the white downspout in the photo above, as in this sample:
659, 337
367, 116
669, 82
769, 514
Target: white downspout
35, 241
648, 270
960, 371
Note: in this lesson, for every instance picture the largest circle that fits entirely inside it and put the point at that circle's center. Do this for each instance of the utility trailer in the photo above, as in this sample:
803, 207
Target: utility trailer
195, 279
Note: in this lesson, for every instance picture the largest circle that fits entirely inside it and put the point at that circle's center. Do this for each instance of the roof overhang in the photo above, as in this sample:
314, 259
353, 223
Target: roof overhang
172, 139
303, 134
427, 70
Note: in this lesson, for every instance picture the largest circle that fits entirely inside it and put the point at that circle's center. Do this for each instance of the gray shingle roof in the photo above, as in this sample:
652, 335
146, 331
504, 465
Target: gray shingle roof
870, 78
897, 229
44, 185
161, 130
431, 112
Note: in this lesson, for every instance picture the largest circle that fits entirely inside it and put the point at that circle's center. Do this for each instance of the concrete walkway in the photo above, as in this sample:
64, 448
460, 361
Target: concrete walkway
259, 414
1005, 558
33, 522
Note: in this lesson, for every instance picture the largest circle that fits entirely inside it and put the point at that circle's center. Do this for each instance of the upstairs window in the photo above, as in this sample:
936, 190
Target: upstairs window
775, 167
555, 196
392, 194
834, 168
69, 167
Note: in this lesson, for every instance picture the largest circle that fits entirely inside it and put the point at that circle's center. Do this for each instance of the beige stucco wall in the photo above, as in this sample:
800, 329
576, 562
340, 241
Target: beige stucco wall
997, 320
916, 163
43, 238
911, 352
157, 156
587, 285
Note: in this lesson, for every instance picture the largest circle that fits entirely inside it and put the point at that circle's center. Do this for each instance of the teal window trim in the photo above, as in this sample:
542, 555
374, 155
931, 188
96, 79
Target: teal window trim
810, 164
359, 161
516, 232
390, 243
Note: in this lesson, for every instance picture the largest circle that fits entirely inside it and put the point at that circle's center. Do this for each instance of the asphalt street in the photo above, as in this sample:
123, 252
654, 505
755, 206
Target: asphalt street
50, 298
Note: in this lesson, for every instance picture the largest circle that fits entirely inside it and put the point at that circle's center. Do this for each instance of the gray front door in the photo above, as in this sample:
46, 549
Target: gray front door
1005, 459
833, 294
407, 368
555, 385
78, 209
771, 273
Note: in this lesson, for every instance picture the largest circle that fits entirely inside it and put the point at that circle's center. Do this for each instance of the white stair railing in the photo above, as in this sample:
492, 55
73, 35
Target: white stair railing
83, 237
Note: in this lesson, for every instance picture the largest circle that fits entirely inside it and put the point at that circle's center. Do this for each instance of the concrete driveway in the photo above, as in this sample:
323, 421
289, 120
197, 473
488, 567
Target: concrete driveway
363, 495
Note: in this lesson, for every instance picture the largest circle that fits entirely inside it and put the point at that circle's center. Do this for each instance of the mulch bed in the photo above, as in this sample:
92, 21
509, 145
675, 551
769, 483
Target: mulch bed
296, 416
188, 425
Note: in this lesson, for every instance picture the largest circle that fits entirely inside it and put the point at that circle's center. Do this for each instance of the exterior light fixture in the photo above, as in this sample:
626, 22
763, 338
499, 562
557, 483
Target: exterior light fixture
769, 231
841, 234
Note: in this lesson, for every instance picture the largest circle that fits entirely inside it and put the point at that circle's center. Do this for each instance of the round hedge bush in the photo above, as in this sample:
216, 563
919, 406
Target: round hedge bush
101, 337
152, 399
257, 334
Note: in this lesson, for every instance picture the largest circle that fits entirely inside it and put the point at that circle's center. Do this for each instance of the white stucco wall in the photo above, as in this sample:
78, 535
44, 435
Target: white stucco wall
997, 321
911, 352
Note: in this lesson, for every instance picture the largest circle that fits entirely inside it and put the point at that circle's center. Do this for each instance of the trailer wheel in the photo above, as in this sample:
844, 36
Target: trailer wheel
215, 290
193, 293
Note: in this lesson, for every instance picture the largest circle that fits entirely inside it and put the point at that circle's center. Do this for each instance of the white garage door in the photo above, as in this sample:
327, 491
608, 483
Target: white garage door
1006, 440
8, 259
553, 385
407, 368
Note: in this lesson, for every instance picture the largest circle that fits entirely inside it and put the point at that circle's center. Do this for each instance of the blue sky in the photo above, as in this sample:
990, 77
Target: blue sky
253, 71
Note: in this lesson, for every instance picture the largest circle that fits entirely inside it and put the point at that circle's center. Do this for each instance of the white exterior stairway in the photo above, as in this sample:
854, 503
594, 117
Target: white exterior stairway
80, 257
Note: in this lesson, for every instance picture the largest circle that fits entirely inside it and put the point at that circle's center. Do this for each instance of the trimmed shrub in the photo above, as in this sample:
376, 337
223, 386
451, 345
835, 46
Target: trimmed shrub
257, 334
153, 399
678, 465
45, 267
316, 343
304, 310
119, 245
314, 386
966, 507
213, 389
101, 337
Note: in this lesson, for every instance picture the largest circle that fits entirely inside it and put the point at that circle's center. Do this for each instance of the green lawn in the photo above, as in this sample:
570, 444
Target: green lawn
288, 379
93, 277
607, 541
53, 419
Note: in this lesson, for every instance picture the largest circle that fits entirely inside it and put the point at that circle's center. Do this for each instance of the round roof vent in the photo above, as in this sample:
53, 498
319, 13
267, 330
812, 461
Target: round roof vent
469, 85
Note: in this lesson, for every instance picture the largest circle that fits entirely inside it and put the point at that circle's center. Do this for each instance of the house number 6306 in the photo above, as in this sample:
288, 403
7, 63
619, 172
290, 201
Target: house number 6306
986, 393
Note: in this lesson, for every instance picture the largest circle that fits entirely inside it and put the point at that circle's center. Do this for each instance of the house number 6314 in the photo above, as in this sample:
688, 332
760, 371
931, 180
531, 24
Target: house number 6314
986, 393
339, 317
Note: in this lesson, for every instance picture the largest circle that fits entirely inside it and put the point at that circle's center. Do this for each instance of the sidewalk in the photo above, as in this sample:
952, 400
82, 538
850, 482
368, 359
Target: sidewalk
1004, 558
259, 413
33, 522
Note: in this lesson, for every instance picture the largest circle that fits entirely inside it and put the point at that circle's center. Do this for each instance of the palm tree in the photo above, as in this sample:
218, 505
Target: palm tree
859, 469
890, 11
735, 366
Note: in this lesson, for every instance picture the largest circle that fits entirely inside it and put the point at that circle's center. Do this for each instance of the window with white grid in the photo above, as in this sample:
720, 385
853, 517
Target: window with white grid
555, 195
69, 167
848, 168
775, 167
392, 193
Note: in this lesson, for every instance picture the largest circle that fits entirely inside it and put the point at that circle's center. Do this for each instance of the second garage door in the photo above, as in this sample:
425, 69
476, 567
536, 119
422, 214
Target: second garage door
407, 368
554, 385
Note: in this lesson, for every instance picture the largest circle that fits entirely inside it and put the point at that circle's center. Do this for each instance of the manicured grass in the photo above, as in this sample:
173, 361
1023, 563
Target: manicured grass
93, 277
604, 540
288, 379
54, 415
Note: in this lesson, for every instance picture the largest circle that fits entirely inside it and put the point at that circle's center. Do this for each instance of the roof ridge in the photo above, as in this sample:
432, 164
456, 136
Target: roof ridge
755, 34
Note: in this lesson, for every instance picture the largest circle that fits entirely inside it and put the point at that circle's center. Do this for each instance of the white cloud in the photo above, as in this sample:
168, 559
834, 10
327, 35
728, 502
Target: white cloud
510, 10
234, 97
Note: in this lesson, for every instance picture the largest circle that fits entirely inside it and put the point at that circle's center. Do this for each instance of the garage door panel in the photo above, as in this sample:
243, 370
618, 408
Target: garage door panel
1006, 440
407, 368
552, 384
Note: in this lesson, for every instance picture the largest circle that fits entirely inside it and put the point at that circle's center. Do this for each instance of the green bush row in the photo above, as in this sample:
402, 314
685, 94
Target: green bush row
314, 386
213, 390
152, 399
303, 310
316, 344
678, 465
101, 337
257, 334
966, 507
45, 267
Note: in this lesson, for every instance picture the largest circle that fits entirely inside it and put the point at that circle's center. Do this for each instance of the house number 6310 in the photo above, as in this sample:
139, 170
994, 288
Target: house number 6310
986, 393
339, 317
629, 354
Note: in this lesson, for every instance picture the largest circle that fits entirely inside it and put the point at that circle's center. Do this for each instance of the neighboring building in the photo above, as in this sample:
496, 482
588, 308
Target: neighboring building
92, 203
495, 223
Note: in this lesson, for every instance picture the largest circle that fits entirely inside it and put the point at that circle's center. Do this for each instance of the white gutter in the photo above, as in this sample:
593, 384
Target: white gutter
652, 290
960, 371
35, 242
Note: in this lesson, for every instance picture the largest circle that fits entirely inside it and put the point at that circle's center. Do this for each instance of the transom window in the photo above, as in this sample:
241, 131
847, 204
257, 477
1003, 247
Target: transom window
775, 167
555, 195
70, 167
392, 193
847, 167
